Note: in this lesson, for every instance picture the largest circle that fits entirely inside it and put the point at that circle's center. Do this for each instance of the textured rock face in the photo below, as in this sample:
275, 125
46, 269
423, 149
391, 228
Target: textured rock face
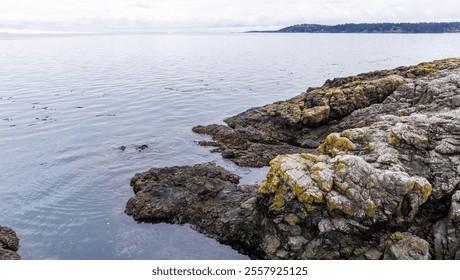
340, 207
206, 196
445, 235
382, 182
9, 244
297, 125
393, 172
404, 246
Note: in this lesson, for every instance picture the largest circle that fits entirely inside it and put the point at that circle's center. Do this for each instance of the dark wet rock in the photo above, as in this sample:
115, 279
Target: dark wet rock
138, 148
142, 147
384, 183
205, 195
242, 148
9, 244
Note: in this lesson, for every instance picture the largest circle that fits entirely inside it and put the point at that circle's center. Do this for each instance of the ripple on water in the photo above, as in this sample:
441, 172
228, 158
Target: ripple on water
67, 103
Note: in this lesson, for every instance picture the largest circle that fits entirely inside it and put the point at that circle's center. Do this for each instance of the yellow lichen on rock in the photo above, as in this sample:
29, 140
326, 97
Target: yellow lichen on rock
344, 206
355, 135
428, 68
310, 157
335, 144
290, 172
426, 191
291, 219
277, 200
296, 113
393, 140
370, 209
315, 115
322, 175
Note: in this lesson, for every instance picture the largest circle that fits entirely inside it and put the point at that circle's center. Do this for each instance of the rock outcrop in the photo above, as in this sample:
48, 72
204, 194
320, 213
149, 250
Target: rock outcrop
299, 124
365, 167
9, 244
206, 196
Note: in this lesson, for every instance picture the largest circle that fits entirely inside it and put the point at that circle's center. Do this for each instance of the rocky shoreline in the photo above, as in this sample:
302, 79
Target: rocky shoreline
364, 167
9, 244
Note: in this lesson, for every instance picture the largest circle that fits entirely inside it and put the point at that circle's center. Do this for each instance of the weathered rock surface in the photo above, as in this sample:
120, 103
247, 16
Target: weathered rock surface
205, 195
445, 234
297, 125
405, 246
9, 244
383, 183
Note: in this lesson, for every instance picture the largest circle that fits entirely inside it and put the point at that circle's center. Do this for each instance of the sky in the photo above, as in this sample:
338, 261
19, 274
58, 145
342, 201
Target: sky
153, 15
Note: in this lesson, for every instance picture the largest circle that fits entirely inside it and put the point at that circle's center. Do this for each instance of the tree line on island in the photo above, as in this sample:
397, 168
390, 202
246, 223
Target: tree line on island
422, 27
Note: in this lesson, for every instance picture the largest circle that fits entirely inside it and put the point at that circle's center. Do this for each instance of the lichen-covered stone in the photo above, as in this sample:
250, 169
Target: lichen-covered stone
405, 246
256, 136
347, 184
382, 182
9, 244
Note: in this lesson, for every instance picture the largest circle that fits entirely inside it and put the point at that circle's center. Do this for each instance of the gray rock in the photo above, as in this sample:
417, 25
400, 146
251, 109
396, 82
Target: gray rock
296, 243
405, 246
372, 254
383, 183
454, 212
9, 244
308, 143
445, 234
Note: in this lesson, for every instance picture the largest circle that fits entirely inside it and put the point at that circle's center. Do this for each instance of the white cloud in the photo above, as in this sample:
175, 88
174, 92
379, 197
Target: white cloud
87, 15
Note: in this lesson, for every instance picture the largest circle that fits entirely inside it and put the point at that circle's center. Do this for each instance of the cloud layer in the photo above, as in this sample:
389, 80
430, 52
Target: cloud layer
119, 15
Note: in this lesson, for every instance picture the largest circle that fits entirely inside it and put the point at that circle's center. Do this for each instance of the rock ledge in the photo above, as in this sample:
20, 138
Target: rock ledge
365, 167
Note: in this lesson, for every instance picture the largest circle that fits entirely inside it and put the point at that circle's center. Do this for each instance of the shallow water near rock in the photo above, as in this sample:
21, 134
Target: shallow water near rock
67, 103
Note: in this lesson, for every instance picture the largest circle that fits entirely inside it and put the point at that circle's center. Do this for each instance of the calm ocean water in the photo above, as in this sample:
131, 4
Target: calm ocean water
68, 102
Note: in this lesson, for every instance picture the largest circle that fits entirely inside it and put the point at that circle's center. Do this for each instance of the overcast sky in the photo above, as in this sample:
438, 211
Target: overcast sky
120, 15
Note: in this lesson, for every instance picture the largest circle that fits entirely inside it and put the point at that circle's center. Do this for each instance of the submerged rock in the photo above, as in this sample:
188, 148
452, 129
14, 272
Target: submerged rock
9, 244
142, 147
382, 183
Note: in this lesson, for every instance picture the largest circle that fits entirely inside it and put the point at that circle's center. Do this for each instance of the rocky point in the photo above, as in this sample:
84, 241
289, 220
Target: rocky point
364, 167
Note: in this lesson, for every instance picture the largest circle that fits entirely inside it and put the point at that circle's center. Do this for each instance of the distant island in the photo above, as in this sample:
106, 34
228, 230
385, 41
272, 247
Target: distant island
422, 27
